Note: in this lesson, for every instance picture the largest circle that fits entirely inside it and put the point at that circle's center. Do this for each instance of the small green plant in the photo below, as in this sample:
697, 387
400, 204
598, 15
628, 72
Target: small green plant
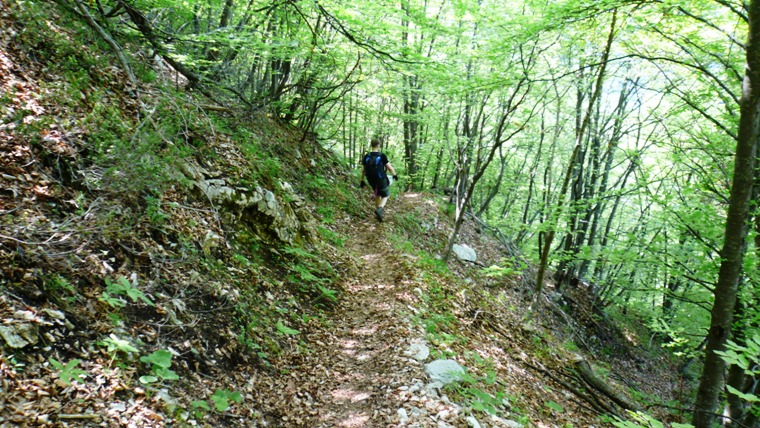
553, 406
312, 275
332, 237
153, 211
643, 420
328, 293
222, 398
114, 345
122, 287
327, 214
285, 330
199, 408
512, 268
160, 361
68, 372
58, 284
478, 399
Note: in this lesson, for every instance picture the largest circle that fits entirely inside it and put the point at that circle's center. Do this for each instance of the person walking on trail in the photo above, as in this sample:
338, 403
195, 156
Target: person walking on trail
375, 168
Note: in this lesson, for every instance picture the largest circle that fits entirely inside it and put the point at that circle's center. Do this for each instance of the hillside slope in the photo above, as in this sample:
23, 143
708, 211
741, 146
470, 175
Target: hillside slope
168, 261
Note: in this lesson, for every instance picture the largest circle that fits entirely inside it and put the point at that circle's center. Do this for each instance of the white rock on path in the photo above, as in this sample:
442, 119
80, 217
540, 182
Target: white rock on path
444, 371
418, 351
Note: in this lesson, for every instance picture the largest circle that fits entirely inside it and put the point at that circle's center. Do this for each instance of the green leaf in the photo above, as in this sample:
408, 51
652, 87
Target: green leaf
68, 372
136, 294
282, 329
554, 406
160, 358
222, 397
114, 343
750, 398
148, 379
200, 404
165, 373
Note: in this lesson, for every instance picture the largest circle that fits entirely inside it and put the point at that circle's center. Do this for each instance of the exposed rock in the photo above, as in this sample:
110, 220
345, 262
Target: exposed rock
511, 424
258, 207
418, 351
444, 371
19, 335
472, 422
464, 252
402, 415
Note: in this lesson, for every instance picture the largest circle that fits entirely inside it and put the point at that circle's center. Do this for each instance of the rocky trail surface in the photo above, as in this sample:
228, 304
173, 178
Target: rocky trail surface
368, 368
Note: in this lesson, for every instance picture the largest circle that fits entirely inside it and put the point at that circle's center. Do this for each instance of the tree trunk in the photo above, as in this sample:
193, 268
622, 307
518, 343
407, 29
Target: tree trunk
734, 246
553, 217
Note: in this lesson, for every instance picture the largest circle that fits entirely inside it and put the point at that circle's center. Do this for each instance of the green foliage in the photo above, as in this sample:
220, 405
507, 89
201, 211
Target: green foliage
331, 237
747, 357
68, 372
59, 289
159, 362
223, 397
508, 270
312, 275
643, 420
114, 345
285, 330
677, 341
153, 211
122, 288
473, 391
199, 407
553, 406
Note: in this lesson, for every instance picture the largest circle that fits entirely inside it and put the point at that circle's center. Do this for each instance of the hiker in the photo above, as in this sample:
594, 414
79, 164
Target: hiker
375, 165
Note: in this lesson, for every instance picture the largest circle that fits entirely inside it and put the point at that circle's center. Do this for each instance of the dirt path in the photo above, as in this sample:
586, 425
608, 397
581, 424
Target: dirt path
368, 340
356, 366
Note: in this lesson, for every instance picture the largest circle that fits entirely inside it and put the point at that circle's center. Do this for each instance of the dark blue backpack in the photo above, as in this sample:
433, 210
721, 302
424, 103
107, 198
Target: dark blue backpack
374, 169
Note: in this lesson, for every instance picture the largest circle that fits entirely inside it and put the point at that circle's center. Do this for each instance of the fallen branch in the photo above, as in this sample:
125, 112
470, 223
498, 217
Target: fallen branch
587, 374
216, 108
77, 416
596, 405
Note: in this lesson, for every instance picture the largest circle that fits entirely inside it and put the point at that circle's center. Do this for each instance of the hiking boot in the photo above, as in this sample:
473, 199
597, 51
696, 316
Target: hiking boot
379, 213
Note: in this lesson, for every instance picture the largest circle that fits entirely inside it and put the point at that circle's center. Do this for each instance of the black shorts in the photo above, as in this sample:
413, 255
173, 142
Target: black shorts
383, 192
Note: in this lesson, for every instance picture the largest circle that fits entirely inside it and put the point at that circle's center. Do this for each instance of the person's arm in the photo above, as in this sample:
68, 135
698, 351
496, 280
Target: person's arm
389, 167
362, 182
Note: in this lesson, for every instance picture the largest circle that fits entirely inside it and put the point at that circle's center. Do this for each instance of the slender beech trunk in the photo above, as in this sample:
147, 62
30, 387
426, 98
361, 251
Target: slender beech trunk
553, 217
734, 245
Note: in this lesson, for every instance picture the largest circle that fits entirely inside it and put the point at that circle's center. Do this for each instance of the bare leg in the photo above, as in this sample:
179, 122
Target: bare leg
380, 201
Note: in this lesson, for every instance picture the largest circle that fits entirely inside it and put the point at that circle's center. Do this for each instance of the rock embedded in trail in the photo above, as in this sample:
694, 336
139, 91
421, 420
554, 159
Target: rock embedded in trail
444, 371
419, 351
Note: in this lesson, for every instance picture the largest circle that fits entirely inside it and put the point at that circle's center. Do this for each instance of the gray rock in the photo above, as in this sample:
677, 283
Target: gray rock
19, 335
444, 371
402, 415
464, 252
472, 422
418, 351
431, 389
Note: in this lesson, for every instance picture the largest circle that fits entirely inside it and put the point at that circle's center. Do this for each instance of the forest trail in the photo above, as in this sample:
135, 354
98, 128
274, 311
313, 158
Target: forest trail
355, 373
